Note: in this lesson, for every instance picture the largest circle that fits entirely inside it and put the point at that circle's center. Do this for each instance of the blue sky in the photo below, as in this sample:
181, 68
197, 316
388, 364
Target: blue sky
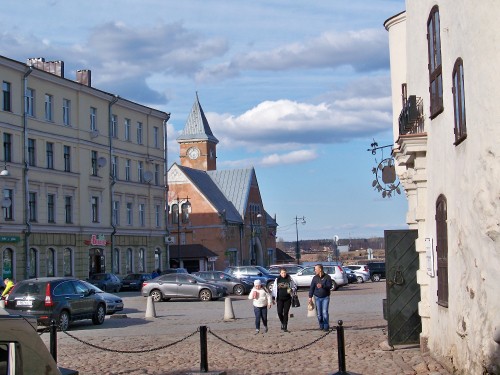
297, 88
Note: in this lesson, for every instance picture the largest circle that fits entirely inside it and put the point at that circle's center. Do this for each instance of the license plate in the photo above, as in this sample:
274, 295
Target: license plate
24, 303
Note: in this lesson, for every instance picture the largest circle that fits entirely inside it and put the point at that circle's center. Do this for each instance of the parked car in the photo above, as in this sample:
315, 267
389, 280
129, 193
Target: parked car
377, 270
252, 273
181, 285
133, 281
61, 298
173, 270
304, 277
113, 303
232, 284
362, 272
291, 269
351, 276
108, 282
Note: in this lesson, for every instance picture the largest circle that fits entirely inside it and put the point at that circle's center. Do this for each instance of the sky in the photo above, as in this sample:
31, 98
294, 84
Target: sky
298, 89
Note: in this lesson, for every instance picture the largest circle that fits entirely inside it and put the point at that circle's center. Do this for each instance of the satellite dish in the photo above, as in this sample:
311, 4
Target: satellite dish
101, 162
6, 202
148, 176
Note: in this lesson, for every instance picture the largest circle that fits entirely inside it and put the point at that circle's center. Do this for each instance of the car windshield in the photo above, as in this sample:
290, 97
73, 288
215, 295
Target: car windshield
93, 287
262, 269
198, 279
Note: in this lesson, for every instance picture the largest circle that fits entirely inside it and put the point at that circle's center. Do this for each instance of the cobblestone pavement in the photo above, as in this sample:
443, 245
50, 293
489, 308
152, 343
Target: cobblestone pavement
233, 347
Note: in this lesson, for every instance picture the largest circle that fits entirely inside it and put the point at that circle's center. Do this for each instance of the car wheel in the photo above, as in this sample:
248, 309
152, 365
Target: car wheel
270, 285
156, 294
205, 295
334, 285
359, 279
99, 315
376, 277
238, 290
64, 320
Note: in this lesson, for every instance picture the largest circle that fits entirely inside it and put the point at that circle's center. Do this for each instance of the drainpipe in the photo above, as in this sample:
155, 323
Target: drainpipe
112, 178
165, 176
27, 231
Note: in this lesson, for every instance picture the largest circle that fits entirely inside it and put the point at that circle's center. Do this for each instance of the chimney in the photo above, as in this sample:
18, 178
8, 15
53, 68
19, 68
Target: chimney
84, 77
53, 67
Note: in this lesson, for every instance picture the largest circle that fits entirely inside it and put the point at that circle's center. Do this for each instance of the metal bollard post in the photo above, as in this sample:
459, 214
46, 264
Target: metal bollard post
341, 345
203, 349
53, 339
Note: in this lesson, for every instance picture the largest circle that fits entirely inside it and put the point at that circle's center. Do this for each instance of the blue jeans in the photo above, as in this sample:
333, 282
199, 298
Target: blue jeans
322, 305
260, 313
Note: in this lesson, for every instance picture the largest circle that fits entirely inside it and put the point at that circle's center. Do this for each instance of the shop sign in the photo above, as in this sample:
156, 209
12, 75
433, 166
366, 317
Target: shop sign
10, 238
97, 240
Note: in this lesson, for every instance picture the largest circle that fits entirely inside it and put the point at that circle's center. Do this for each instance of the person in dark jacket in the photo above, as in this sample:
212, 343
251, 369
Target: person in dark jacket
321, 285
283, 289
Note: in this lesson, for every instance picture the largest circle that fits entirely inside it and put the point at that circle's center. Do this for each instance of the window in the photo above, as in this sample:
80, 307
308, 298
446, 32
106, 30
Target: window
95, 209
116, 212
51, 262
116, 261
33, 266
8, 206
7, 97
67, 158
49, 107
93, 163
129, 214
442, 250
435, 69
114, 126
156, 141
142, 259
67, 112
127, 129
50, 155
114, 166
140, 171
7, 147
68, 262
7, 264
142, 214
185, 208
175, 213
68, 209
93, 118
51, 212
29, 102
157, 215
130, 258
459, 101
32, 152
139, 133
157, 258
157, 174
127, 170
32, 203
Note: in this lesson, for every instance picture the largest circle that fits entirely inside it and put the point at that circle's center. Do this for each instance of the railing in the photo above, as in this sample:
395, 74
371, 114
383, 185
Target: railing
411, 119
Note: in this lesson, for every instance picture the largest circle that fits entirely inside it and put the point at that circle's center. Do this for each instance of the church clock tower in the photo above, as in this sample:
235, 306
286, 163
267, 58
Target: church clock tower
197, 143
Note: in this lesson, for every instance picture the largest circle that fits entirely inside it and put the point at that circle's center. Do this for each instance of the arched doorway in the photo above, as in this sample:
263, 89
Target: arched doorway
97, 261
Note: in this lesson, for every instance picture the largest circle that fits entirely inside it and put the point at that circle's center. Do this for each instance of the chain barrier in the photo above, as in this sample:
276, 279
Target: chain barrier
271, 352
131, 351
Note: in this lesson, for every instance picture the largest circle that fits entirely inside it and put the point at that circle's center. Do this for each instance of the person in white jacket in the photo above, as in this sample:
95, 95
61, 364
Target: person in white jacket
262, 301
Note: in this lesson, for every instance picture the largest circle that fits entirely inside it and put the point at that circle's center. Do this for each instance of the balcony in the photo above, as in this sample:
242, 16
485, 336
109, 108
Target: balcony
411, 119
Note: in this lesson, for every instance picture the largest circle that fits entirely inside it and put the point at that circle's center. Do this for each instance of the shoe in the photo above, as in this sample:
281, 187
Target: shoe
256, 331
326, 329
282, 327
265, 330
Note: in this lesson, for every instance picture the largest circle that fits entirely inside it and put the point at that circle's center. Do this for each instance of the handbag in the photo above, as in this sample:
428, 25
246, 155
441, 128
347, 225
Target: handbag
295, 301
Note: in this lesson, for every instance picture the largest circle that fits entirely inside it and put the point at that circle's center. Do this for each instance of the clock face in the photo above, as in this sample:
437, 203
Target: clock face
193, 152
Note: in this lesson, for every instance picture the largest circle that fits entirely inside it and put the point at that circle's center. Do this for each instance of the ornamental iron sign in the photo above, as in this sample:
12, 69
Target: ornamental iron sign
386, 181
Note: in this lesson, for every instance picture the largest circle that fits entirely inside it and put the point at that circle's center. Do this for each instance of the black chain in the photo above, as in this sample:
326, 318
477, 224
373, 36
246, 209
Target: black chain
272, 352
131, 351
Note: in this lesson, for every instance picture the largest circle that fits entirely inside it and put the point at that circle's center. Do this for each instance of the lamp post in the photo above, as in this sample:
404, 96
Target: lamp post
253, 260
297, 248
186, 210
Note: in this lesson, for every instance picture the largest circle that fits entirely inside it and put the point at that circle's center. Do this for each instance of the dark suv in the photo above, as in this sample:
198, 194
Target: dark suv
61, 298
252, 273
377, 270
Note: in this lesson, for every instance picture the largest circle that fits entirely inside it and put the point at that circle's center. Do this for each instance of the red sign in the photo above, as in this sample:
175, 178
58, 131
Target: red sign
97, 240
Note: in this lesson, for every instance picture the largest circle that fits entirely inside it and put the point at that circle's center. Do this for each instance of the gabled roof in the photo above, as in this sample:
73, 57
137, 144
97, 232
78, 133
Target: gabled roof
197, 127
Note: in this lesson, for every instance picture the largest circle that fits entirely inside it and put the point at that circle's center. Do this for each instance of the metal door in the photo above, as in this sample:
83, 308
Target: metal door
403, 292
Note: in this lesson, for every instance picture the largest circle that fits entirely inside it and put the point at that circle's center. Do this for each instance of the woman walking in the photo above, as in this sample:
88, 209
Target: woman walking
261, 302
283, 289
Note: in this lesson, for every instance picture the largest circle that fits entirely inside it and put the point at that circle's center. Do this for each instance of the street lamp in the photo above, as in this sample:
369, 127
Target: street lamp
297, 248
253, 260
184, 209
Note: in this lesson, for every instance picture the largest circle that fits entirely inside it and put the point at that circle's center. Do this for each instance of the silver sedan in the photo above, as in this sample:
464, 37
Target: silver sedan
181, 285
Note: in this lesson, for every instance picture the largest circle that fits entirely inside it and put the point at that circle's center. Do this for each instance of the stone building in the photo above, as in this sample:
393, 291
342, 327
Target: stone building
82, 178
216, 217
445, 94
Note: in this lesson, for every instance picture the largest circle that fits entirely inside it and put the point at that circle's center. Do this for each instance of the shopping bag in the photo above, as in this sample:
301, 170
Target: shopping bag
311, 310
295, 301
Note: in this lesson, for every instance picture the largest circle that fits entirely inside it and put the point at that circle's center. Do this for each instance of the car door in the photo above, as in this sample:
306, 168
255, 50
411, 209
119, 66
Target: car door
168, 285
304, 277
85, 300
66, 296
187, 286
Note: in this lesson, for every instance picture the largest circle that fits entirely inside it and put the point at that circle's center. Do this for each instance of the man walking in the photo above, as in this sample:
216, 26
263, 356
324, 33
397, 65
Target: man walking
321, 285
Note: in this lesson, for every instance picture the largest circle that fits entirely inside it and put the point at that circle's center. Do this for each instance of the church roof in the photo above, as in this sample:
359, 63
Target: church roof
197, 127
